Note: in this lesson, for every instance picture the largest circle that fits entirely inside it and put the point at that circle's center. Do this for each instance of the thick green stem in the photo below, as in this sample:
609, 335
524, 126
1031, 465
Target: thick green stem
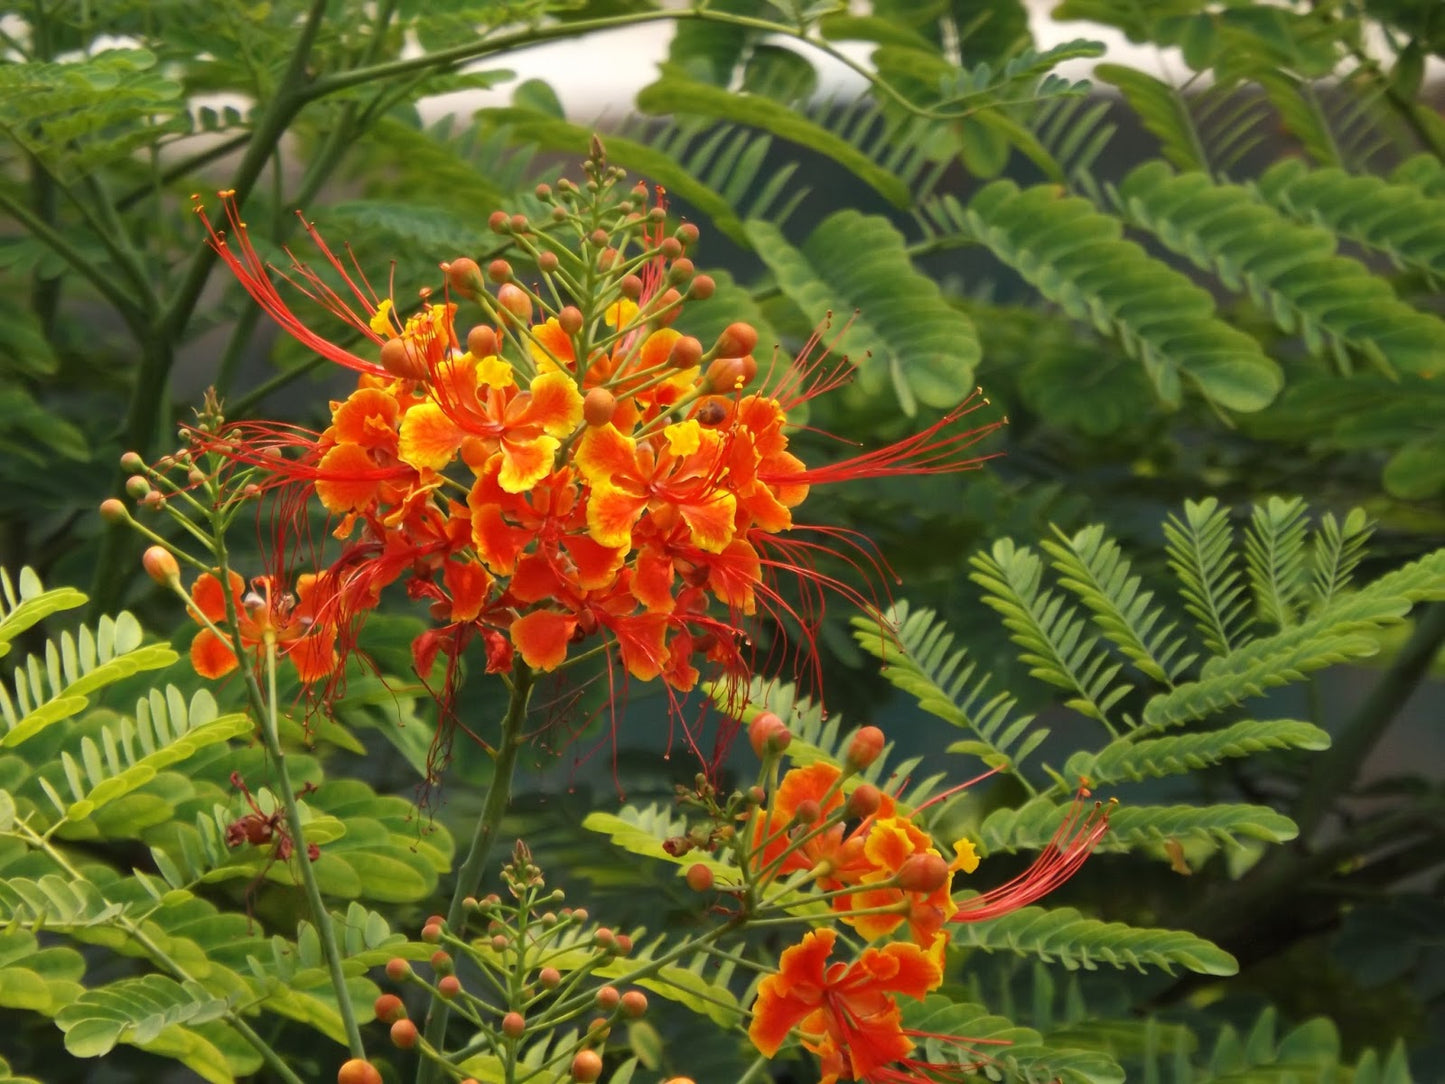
1336, 771
484, 837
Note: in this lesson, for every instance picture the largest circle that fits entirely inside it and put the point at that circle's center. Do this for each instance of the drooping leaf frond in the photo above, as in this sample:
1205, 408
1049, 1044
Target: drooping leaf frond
1201, 553
1176, 754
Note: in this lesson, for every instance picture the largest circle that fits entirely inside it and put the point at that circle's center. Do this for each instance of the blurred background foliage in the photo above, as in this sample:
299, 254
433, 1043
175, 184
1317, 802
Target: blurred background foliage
1225, 284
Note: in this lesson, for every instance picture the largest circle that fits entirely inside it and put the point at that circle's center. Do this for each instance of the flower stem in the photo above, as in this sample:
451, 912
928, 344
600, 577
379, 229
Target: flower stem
330, 949
474, 867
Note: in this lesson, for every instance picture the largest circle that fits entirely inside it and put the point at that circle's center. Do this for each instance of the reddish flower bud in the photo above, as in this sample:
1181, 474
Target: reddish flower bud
463, 276
623, 946
431, 933
604, 938
498, 271
598, 237
682, 270
441, 961
923, 873
519, 223
631, 287
497, 222
549, 977
634, 1003
699, 877
864, 801
702, 288
138, 486
726, 375
547, 262
160, 565
132, 461
404, 1034
607, 259
667, 300
671, 248
358, 1071
514, 300
500, 943
570, 319
768, 735
514, 1025
687, 233
113, 511
401, 358
608, 997
389, 1009
685, 353
736, 340
864, 748
586, 1066
449, 987
807, 811
397, 969
598, 406
481, 341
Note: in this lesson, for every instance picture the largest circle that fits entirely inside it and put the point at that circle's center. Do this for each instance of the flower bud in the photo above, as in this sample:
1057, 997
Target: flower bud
138, 486
463, 276
132, 461
519, 223
431, 933
514, 1025
730, 374
664, 305
500, 943
547, 262
687, 233
498, 271
113, 511
481, 341
441, 962
569, 319
864, 748
389, 1009
702, 288
160, 565
608, 998
699, 877
864, 801
607, 259
923, 873
622, 946
634, 1003
401, 358
598, 407
513, 299
497, 221
604, 938
671, 248
685, 353
586, 1066
736, 340
807, 812
449, 987
404, 1034
682, 270
397, 969
358, 1071
549, 977
631, 287
768, 735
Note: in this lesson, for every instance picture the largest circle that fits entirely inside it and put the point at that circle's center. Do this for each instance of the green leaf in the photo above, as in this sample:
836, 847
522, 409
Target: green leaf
1163, 112
1074, 255
1416, 472
1176, 754
1063, 935
903, 322
134, 1011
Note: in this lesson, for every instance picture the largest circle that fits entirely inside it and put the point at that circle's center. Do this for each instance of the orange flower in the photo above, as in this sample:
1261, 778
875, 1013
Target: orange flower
290, 622
846, 1013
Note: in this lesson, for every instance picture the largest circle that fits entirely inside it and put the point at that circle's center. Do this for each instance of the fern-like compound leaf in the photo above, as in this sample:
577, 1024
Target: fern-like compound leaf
1276, 559
1200, 550
1177, 754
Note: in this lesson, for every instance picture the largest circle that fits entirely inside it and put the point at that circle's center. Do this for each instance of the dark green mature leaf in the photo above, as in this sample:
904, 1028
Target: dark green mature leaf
904, 331
1164, 112
1074, 255
674, 93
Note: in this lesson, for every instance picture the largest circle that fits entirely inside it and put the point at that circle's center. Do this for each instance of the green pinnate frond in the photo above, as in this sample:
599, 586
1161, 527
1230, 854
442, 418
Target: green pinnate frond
641, 830
26, 603
1390, 217
45, 691
1200, 550
1176, 754
36, 979
1276, 559
1226, 824
1424, 172
55, 901
961, 1033
1064, 935
1164, 112
1290, 269
129, 753
1052, 635
135, 1011
918, 656
1076, 257
1094, 568
909, 337
1337, 551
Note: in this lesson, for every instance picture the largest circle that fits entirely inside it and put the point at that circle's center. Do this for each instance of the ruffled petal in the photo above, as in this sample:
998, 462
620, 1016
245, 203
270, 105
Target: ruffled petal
208, 598
347, 479
611, 514
605, 456
210, 655
710, 520
429, 439
368, 418
525, 463
542, 637
468, 584
556, 404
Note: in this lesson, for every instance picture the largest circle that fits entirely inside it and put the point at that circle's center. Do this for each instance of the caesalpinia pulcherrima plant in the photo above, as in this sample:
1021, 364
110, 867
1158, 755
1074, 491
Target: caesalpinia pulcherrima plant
575, 476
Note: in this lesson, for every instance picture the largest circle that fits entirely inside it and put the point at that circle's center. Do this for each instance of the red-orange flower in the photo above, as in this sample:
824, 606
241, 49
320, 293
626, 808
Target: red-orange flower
291, 622
847, 1014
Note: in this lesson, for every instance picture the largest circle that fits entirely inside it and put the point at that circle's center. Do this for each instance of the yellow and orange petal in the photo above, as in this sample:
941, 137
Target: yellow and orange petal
366, 417
348, 480
604, 455
526, 462
556, 404
429, 438
612, 513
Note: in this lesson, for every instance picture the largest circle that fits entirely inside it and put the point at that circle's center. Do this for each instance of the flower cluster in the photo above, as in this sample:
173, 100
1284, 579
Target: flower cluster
878, 869
572, 472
